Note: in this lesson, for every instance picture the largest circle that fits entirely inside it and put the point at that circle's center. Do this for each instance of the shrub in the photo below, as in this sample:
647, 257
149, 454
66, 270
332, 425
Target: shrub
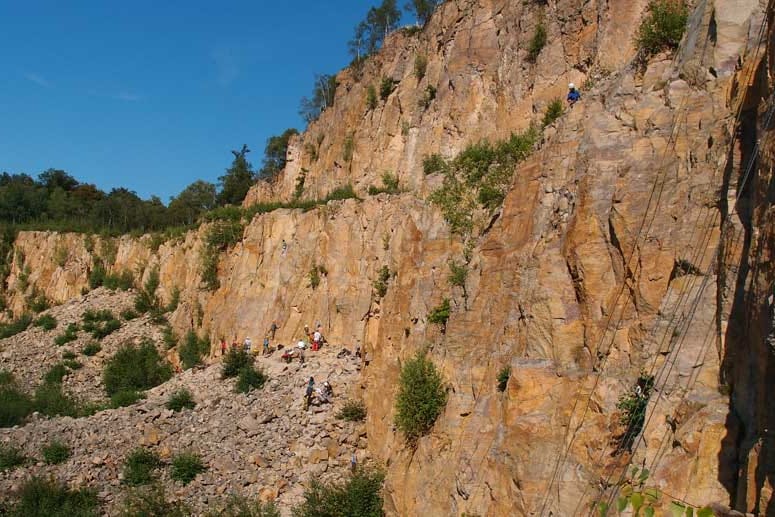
458, 272
135, 368
123, 281
39, 497
15, 405
97, 275
420, 66
386, 87
100, 323
663, 26
37, 302
128, 315
341, 193
108, 251
72, 364
152, 502
537, 42
553, 112
240, 507
174, 300
360, 495
298, 189
46, 322
6, 378
61, 255
50, 400
169, 337
348, 147
70, 334
10, 457
389, 185
125, 398
427, 97
12, 328
235, 360
181, 399
381, 283
440, 314
433, 163
503, 377
139, 466
55, 374
314, 277
420, 399
69, 354
352, 411
193, 349
91, 348
146, 299
186, 466
55, 453
250, 378
632, 406
371, 97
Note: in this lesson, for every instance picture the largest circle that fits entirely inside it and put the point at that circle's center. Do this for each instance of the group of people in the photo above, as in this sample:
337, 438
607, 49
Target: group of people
247, 343
324, 394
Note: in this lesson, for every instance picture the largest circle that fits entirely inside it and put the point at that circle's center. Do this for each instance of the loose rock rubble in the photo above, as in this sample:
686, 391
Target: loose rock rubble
261, 445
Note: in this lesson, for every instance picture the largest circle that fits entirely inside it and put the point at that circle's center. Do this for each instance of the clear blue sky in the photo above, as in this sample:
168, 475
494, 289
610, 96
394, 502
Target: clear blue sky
151, 95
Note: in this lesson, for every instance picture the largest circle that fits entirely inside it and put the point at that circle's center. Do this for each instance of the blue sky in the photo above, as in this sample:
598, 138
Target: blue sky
152, 95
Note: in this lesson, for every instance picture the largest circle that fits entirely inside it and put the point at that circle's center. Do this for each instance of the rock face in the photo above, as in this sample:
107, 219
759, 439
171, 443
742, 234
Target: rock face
627, 245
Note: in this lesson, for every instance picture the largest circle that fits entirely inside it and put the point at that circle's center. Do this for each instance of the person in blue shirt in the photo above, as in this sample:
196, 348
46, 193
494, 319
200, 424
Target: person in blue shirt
573, 94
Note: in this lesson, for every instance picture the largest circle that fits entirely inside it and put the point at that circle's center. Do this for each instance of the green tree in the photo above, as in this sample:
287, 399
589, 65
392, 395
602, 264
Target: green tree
371, 32
422, 9
323, 94
237, 180
193, 201
275, 153
421, 397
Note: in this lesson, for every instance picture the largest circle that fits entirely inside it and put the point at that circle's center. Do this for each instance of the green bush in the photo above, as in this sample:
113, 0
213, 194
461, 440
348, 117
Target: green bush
6, 378
123, 281
349, 147
663, 26
146, 299
125, 398
235, 360
15, 405
91, 348
37, 302
503, 377
169, 337
186, 466
72, 364
427, 97
193, 349
537, 42
433, 163
139, 466
386, 87
314, 277
174, 300
341, 193
180, 400
389, 185
381, 283
46, 322
70, 334
10, 457
55, 374
440, 314
51, 401
420, 66
360, 495
135, 368
12, 328
458, 272
632, 406
250, 378
40, 497
152, 502
241, 507
128, 315
420, 399
97, 275
371, 97
69, 354
352, 411
55, 453
553, 112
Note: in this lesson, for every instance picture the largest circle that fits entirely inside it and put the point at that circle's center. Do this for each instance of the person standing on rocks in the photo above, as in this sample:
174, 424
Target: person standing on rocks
309, 392
316, 337
266, 344
353, 461
247, 345
223, 346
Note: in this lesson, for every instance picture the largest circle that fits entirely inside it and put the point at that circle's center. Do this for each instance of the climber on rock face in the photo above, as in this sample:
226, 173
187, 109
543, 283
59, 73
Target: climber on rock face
273, 328
573, 94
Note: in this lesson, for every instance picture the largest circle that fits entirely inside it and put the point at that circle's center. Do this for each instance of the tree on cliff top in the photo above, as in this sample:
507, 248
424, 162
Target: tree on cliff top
237, 180
323, 94
422, 9
371, 32
274, 154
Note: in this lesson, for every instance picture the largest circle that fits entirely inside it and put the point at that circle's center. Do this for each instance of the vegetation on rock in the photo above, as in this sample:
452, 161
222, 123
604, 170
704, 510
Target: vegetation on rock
421, 397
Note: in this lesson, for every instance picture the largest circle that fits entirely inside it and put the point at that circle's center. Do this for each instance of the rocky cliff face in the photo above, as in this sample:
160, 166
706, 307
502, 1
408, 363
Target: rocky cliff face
629, 244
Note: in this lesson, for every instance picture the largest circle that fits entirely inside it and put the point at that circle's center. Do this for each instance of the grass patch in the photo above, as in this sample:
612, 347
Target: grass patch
40, 497
352, 411
129, 314
135, 368
237, 506
433, 163
16, 326
100, 323
440, 315
51, 400
152, 502
553, 112
139, 466
169, 337
360, 495
503, 378
186, 466
10, 457
55, 453
70, 334
15, 405
234, 361
389, 185
537, 42
181, 399
92, 348
72, 364
663, 27
249, 379
55, 374
125, 398
420, 399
